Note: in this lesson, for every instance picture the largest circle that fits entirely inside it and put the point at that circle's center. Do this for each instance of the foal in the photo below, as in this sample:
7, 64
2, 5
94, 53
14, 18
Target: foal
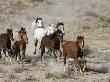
20, 45
73, 49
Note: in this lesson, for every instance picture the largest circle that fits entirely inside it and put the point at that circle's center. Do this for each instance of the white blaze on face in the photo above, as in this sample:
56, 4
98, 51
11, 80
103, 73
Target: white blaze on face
39, 23
61, 27
50, 30
82, 44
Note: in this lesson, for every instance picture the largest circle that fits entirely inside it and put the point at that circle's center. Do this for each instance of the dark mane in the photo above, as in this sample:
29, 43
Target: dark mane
55, 34
59, 23
38, 19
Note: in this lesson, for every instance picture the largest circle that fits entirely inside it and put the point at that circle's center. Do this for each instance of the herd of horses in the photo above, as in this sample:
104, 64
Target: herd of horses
13, 44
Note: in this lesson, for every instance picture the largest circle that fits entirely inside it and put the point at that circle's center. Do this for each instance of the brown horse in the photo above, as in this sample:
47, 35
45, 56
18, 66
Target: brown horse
5, 42
20, 44
51, 42
73, 50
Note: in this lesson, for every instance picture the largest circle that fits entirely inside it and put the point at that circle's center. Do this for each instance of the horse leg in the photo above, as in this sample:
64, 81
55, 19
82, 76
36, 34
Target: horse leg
64, 61
4, 52
77, 65
35, 46
55, 55
10, 55
0, 53
84, 61
19, 55
23, 53
60, 52
48, 51
42, 51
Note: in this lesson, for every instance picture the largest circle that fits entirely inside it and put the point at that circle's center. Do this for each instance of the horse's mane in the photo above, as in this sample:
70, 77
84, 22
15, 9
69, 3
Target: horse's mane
59, 23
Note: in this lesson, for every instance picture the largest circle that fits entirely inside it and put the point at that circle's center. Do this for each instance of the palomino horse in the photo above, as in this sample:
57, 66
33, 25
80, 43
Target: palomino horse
5, 42
51, 42
73, 50
19, 43
39, 32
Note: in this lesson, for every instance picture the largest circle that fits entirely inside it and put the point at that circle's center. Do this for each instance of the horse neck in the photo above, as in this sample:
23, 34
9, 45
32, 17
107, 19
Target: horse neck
6, 36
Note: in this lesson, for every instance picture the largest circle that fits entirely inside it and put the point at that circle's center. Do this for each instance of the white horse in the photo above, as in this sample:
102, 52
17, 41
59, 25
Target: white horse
40, 31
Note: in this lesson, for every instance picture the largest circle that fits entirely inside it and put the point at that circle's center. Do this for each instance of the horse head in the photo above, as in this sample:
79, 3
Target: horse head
80, 40
10, 33
60, 26
39, 22
50, 29
23, 34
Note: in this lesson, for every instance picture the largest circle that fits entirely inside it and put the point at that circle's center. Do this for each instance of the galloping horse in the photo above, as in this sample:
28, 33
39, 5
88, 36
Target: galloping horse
51, 42
19, 43
59, 27
74, 50
40, 31
5, 42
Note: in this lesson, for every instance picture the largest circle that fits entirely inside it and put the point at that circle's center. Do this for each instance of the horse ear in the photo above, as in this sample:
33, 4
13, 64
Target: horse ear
78, 37
22, 28
49, 25
52, 25
11, 28
82, 37
36, 20
8, 30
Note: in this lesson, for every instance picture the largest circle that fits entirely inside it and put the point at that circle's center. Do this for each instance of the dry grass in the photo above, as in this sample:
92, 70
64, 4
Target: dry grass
19, 69
55, 75
92, 19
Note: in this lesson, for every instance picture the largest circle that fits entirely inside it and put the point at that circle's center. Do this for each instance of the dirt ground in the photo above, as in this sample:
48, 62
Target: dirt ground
90, 18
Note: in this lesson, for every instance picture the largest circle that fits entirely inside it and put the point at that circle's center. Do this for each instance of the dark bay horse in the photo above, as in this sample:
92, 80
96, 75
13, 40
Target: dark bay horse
19, 45
59, 27
5, 43
73, 50
51, 42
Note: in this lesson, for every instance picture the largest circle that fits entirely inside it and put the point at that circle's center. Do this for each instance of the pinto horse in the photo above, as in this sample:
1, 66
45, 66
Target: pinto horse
59, 27
19, 44
39, 32
51, 42
73, 50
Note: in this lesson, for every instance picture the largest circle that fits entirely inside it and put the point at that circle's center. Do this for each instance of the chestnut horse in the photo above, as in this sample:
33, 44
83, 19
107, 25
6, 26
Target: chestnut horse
73, 50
